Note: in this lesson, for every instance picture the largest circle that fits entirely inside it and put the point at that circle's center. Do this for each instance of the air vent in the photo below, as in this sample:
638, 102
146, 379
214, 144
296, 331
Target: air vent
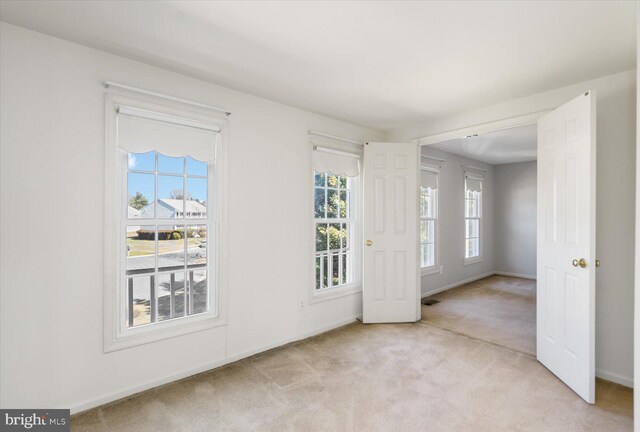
430, 302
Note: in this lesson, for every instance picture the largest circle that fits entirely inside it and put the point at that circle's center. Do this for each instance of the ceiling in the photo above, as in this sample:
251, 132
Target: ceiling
518, 144
377, 64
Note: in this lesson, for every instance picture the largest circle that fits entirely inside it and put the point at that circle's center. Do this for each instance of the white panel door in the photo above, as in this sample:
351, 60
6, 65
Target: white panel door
566, 244
390, 282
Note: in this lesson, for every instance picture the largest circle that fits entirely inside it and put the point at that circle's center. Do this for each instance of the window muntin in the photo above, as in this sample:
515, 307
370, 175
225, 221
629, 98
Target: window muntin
334, 219
166, 262
428, 222
472, 219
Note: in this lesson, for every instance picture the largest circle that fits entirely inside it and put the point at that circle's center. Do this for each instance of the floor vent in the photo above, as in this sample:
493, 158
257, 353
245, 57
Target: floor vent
430, 302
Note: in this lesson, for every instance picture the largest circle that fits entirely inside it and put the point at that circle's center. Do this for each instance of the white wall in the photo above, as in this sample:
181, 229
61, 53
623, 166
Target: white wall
636, 400
52, 156
451, 224
616, 135
515, 212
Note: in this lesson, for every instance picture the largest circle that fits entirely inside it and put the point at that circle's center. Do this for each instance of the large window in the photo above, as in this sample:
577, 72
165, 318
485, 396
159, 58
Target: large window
336, 170
166, 239
428, 220
162, 207
334, 220
472, 217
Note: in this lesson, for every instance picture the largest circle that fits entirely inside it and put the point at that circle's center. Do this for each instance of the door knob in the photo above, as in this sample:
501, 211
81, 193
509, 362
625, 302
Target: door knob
597, 263
368, 242
582, 263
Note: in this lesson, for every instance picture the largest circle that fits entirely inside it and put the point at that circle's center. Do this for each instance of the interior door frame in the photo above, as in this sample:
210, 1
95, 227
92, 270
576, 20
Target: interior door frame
527, 119
481, 128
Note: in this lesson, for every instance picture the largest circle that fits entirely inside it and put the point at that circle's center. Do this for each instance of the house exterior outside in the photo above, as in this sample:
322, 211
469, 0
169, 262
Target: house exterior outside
175, 209
132, 213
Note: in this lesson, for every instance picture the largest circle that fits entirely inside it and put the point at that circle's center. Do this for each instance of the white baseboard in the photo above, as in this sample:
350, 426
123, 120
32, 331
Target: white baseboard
523, 276
111, 397
614, 377
455, 284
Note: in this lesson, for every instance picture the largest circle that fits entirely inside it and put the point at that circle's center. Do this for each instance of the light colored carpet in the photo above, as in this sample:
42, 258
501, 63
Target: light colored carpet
497, 309
390, 377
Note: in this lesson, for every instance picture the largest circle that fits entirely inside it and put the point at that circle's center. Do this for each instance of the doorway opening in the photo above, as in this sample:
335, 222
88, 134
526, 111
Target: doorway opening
478, 236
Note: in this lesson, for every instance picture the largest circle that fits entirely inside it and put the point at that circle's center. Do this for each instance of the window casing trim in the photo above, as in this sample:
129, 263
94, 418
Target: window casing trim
480, 218
115, 336
435, 268
314, 295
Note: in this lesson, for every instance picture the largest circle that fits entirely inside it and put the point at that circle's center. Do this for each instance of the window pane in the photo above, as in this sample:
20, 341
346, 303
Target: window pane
344, 204
197, 246
318, 275
344, 278
139, 300
472, 248
142, 161
431, 234
141, 249
343, 182
170, 248
141, 194
325, 271
195, 167
423, 231
472, 228
321, 237
429, 255
198, 291
318, 202
320, 179
170, 295
170, 193
332, 181
170, 165
334, 236
196, 198
333, 203
432, 204
423, 255
423, 203
344, 236
335, 269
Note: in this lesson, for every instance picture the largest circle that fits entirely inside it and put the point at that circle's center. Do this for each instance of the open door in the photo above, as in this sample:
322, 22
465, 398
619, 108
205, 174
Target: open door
390, 282
566, 243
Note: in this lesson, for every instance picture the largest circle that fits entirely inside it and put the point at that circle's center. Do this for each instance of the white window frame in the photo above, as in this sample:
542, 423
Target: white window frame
116, 334
320, 295
479, 258
435, 268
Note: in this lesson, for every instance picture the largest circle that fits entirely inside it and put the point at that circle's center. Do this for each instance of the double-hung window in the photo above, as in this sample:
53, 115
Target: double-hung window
165, 232
472, 217
428, 220
335, 220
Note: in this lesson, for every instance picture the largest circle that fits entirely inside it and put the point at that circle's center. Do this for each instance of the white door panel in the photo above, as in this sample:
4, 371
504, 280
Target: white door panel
391, 289
566, 232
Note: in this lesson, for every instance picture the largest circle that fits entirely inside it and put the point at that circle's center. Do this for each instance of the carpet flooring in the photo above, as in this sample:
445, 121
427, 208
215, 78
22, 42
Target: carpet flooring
388, 377
497, 309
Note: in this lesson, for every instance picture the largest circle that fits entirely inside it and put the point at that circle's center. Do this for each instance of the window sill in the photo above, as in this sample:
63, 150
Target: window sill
474, 260
333, 293
426, 271
161, 331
